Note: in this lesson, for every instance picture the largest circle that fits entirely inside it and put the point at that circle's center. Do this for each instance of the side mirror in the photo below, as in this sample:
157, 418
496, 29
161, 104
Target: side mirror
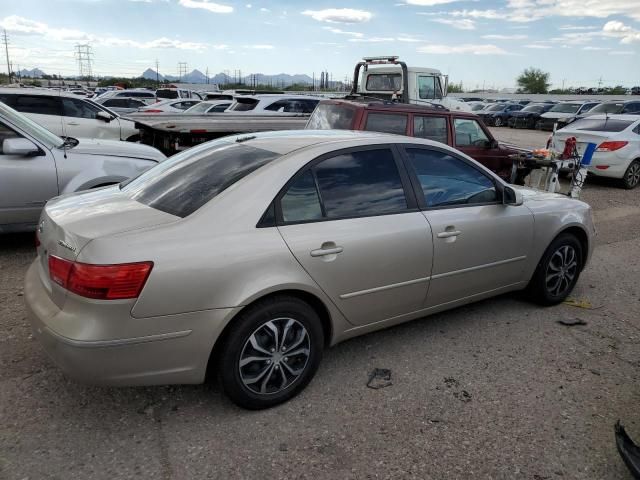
104, 116
511, 196
19, 146
493, 144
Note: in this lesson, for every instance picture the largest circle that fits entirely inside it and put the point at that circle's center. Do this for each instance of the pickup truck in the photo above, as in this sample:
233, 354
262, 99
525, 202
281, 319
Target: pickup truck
461, 130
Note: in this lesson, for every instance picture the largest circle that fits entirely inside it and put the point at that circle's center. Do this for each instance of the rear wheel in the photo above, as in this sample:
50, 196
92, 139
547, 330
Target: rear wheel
632, 175
271, 353
558, 271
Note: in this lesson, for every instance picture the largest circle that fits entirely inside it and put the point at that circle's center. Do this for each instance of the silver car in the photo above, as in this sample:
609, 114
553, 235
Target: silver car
245, 257
36, 165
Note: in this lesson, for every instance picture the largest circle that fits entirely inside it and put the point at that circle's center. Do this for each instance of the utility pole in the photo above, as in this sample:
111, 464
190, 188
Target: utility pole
207, 75
5, 39
157, 73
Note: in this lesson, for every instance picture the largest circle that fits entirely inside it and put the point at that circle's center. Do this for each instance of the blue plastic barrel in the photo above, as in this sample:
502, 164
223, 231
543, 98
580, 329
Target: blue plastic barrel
588, 153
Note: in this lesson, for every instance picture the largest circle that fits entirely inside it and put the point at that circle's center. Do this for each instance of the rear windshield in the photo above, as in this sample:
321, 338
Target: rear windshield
565, 108
607, 108
188, 180
604, 125
167, 93
384, 82
327, 116
243, 105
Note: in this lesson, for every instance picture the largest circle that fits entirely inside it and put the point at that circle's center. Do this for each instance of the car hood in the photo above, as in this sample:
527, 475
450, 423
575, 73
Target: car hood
116, 148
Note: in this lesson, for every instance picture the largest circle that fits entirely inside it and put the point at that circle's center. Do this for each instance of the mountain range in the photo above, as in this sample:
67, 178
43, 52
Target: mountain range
196, 76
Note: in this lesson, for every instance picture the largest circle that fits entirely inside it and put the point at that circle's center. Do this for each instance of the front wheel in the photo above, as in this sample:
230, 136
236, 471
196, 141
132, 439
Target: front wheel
498, 122
631, 175
558, 271
271, 353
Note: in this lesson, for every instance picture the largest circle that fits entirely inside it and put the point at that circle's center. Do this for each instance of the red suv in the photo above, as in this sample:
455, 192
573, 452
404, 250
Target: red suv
464, 131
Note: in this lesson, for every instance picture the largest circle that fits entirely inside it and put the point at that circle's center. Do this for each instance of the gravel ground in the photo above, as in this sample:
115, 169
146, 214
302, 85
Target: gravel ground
493, 390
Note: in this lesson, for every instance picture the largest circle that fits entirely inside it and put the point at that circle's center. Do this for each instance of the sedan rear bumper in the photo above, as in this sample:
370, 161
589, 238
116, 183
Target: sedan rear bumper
157, 357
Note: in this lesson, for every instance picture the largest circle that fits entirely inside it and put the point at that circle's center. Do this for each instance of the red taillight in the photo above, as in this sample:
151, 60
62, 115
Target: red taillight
611, 146
103, 282
602, 167
151, 110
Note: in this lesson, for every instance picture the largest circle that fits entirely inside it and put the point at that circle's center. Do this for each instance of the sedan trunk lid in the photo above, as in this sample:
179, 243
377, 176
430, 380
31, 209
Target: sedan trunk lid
69, 222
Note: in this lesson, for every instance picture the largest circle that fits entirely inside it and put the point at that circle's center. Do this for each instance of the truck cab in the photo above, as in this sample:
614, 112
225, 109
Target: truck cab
388, 78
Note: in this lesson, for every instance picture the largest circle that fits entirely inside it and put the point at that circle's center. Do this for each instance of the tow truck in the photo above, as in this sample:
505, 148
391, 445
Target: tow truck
389, 78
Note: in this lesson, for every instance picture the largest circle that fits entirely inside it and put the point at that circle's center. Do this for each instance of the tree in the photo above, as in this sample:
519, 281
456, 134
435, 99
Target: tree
533, 80
455, 88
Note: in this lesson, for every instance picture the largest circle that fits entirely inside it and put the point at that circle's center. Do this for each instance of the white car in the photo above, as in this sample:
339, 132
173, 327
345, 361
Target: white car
564, 113
68, 115
211, 106
618, 145
274, 103
179, 105
145, 96
36, 165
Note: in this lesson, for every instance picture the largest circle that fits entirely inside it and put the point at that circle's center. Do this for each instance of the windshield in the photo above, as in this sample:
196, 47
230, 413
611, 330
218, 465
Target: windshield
185, 182
384, 82
495, 108
533, 108
327, 116
608, 108
477, 107
565, 108
199, 108
243, 105
601, 125
30, 127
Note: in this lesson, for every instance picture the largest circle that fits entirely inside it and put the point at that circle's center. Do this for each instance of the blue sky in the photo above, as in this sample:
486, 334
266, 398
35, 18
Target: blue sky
474, 41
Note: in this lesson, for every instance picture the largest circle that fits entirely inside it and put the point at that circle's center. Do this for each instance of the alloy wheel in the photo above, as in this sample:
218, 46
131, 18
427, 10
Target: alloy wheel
498, 122
561, 270
274, 356
632, 176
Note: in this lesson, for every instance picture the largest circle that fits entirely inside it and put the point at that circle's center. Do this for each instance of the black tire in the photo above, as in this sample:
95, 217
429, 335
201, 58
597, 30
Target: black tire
541, 290
253, 322
498, 122
538, 125
631, 177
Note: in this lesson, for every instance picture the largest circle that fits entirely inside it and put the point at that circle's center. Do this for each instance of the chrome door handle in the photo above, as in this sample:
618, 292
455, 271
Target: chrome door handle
74, 124
320, 252
447, 234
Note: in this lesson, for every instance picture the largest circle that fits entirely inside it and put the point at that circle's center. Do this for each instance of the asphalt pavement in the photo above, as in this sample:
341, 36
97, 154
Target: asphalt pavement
494, 390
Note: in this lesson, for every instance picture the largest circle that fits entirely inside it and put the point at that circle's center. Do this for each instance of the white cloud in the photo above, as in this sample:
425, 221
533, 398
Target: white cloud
372, 39
596, 49
576, 27
408, 39
24, 26
460, 24
342, 32
206, 5
260, 47
339, 15
618, 29
264, 10
622, 52
504, 37
428, 3
538, 46
464, 48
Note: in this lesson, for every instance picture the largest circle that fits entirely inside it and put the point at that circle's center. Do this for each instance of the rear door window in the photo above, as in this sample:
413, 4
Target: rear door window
360, 183
386, 122
633, 107
301, 202
432, 128
188, 180
39, 104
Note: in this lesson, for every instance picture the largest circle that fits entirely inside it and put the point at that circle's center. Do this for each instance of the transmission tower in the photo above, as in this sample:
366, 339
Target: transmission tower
84, 56
182, 70
5, 40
